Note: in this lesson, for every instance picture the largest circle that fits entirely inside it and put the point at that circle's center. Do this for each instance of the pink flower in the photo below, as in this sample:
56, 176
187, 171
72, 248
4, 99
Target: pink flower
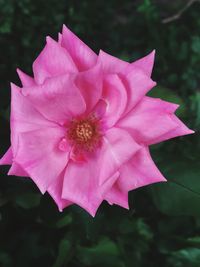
82, 127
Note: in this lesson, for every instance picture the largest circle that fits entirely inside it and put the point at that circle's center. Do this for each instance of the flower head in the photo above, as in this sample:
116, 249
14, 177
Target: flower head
81, 127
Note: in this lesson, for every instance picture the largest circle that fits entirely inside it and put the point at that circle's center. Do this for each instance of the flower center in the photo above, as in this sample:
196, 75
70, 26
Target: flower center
84, 133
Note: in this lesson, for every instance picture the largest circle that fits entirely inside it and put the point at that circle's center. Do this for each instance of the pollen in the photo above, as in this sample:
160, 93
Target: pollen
84, 133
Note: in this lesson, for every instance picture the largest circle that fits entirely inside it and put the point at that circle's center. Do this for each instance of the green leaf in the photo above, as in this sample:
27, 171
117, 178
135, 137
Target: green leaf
181, 194
66, 220
63, 253
189, 257
105, 253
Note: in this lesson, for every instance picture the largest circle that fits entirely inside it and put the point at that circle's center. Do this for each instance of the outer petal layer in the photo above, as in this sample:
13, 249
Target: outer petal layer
26, 80
139, 171
58, 99
55, 190
145, 64
52, 61
82, 55
39, 155
137, 84
7, 158
151, 121
24, 117
116, 196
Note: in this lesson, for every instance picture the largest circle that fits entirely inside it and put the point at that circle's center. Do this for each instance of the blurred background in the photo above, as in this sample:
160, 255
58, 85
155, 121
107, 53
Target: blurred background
162, 227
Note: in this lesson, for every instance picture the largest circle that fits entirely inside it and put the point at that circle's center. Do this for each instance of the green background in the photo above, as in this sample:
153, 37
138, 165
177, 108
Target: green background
162, 227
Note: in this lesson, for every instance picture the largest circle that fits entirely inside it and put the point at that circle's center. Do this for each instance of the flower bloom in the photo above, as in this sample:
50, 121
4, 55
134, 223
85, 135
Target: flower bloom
82, 126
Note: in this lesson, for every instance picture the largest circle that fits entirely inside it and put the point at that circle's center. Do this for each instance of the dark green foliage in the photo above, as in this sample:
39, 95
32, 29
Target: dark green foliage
162, 227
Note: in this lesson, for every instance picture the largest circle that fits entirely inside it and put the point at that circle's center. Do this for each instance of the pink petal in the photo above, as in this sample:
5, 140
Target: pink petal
81, 54
116, 196
52, 61
90, 85
137, 85
17, 170
139, 171
39, 155
26, 80
180, 130
145, 64
59, 38
7, 159
111, 64
149, 120
57, 99
81, 185
24, 117
55, 190
114, 94
118, 148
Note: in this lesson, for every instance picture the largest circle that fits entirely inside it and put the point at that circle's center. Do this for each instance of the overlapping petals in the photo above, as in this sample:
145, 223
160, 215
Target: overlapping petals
81, 127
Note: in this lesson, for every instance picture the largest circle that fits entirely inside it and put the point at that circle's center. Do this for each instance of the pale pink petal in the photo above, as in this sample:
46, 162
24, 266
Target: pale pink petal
81, 185
7, 158
90, 85
139, 171
82, 55
111, 64
52, 61
149, 120
39, 155
58, 99
24, 117
114, 94
55, 190
116, 196
137, 85
26, 80
145, 64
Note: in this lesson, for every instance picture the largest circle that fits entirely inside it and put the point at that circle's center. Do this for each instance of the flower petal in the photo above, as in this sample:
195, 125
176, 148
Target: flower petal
24, 117
137, 85
81, 185
17, 170
116, 196
90, 85
39, 155
82, 55
55, 190
114, 94
57, 99
7, 158
119, 148
139, 171
111, 64
87, 182
149, 120
52, 61
26, 80
180, 130
145, 64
